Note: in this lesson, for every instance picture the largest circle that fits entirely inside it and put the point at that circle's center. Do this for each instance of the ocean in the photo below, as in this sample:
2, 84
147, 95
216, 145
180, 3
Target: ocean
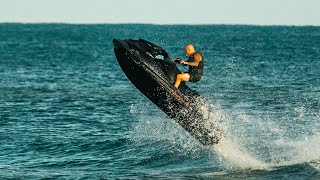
67, 111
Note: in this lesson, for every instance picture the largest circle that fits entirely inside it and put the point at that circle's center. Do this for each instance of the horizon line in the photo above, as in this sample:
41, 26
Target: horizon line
160, 24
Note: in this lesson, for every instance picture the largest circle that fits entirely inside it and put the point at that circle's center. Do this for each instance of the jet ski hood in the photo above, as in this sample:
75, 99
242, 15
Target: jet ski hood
149, 55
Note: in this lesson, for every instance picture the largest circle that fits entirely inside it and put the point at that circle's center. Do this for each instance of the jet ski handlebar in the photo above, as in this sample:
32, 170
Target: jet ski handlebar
178, 61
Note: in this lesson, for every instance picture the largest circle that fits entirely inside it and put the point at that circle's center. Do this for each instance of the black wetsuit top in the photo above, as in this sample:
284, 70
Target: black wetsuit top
195, 72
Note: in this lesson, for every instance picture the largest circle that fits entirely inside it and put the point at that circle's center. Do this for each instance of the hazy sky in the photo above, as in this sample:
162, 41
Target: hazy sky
271, 12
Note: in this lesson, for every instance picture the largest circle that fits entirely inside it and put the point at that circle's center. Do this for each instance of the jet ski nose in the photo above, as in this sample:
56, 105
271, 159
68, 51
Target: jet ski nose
116, 43
119, 44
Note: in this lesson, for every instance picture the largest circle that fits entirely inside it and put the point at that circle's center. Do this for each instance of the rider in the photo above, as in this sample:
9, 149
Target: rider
195, 63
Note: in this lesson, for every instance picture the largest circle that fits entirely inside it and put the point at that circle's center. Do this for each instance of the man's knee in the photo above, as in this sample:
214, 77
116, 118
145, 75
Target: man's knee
183, 77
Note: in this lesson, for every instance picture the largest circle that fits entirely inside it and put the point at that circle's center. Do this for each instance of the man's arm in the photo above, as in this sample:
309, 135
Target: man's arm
197, 59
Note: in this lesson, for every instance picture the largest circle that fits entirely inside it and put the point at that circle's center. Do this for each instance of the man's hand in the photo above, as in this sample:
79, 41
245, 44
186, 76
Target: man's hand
177, 60
184, 63
180, 61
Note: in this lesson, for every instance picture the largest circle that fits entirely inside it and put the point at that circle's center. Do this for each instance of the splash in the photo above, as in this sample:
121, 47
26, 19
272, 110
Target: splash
238, 158
315, 165
248, 143
312, 152
303, 151
227, 148
259, 143
152, 129
159, 129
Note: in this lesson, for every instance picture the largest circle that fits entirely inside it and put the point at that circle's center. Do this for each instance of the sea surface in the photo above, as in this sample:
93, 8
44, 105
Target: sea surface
67, 111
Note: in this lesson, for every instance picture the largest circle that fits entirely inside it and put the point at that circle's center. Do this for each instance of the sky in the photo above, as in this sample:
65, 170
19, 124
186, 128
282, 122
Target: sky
258, 12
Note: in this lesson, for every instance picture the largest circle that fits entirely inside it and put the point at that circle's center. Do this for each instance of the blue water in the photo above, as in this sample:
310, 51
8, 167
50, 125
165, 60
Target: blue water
68, 111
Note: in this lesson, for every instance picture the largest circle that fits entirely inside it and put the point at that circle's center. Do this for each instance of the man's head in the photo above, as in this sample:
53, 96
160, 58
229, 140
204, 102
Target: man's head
189, 49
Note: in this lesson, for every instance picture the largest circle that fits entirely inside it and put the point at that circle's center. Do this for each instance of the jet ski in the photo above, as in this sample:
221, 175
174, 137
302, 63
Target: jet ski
152, 71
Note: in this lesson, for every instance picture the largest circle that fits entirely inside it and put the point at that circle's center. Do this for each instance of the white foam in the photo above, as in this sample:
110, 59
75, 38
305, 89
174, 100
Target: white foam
307, 150
315, 165
238, 158
229, 150
275, 152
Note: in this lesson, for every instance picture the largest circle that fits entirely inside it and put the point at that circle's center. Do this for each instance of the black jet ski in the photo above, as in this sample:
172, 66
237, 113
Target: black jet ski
151, 69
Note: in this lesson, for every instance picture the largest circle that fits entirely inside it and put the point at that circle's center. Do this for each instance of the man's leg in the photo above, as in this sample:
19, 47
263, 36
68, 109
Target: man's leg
181, 77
